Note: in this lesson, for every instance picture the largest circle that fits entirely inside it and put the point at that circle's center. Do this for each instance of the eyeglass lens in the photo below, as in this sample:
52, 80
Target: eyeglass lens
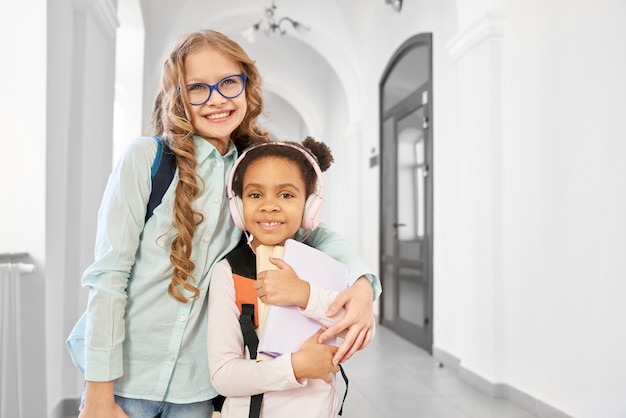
229, 87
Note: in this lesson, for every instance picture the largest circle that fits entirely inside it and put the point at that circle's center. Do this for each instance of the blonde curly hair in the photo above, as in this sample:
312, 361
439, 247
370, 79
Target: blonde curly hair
171, 121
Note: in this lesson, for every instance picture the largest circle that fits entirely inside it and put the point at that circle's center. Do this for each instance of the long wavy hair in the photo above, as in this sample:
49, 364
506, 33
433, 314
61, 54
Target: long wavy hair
171, 120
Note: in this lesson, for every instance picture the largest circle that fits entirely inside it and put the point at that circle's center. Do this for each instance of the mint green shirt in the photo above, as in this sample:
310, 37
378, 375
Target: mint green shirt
133, 332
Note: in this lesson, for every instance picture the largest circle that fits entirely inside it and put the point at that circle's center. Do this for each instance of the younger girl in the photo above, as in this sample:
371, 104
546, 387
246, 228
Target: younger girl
141, 344
274, 185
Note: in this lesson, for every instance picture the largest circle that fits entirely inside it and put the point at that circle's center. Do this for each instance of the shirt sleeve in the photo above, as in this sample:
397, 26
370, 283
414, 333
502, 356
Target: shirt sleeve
120, 225
232, 371
341, 249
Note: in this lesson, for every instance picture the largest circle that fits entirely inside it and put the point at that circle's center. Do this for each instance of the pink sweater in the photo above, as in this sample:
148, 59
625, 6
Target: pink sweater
237, 377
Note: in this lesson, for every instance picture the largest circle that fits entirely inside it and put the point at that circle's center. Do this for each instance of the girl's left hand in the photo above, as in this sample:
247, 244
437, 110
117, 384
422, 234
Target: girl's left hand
282, 287
358, 320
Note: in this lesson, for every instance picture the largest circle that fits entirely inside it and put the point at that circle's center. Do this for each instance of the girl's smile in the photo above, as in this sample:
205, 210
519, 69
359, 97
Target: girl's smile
218, 116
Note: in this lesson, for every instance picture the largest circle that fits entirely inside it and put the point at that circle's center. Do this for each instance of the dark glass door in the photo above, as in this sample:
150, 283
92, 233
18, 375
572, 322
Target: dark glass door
406, 193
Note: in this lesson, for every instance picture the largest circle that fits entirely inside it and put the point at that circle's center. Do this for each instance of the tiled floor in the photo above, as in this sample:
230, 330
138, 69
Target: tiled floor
394, 378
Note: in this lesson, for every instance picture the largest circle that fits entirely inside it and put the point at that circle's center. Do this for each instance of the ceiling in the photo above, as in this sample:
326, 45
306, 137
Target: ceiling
319, 61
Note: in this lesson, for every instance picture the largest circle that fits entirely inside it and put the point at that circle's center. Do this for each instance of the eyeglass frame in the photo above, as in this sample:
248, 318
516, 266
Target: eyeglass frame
212, 87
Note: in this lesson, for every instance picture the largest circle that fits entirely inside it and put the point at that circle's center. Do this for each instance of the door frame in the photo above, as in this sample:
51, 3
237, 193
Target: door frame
425, 339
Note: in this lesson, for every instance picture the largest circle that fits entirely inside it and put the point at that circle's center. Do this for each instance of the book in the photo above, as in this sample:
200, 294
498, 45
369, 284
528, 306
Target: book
263, 253
285, 328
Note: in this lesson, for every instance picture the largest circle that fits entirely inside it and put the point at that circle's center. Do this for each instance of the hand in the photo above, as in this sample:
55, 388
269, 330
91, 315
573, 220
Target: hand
314, 360
100, 402
282, 287
358, 320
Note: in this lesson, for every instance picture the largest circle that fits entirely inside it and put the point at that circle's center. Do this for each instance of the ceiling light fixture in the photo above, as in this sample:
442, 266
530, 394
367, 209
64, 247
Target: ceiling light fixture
271, 25
395, 4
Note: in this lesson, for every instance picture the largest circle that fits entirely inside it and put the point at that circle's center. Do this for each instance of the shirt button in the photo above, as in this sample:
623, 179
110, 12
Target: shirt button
182, 318
171, 357
220, 164
217, 199
206, 239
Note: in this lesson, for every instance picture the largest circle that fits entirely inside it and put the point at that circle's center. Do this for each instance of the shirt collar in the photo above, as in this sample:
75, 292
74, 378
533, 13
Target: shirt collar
204, 149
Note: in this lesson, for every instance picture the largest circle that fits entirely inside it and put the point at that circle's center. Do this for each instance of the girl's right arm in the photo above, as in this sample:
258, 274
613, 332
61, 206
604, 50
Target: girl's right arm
120, 225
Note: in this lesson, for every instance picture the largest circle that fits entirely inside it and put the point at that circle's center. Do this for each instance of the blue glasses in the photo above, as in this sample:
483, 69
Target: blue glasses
229, 87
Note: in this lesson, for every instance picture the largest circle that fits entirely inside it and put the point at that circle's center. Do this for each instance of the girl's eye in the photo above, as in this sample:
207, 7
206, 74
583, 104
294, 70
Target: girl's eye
254, 195
230, 81
196, 87
286, 195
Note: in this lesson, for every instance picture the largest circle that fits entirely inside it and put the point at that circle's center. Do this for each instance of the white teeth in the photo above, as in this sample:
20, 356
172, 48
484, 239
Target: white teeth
218, 116
270, 224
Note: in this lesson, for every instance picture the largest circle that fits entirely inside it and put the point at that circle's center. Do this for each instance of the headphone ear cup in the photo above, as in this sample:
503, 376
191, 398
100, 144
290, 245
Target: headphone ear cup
236, 212
312, 212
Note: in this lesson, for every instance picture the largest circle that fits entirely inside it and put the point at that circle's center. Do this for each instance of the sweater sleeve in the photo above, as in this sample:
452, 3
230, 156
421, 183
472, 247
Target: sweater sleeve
319, 301
233, 373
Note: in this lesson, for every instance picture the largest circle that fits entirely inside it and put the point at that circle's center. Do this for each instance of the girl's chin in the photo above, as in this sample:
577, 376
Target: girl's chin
270, 242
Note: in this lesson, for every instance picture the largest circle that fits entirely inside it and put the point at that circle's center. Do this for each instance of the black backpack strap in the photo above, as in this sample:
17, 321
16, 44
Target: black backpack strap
255, 406
243, 262
218, 403
345, 379
163, 170
246, 320
250, 339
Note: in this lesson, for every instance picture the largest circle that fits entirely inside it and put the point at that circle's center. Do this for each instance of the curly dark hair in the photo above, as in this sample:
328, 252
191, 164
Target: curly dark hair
319, 151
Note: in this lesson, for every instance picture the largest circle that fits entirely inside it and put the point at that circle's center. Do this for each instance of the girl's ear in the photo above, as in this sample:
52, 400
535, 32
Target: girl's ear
312, 212
236, 212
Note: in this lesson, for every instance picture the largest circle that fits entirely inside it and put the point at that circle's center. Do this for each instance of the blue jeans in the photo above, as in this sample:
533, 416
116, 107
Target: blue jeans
139, 408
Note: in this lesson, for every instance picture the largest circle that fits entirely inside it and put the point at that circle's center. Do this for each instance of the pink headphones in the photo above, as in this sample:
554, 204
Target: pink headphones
312, 207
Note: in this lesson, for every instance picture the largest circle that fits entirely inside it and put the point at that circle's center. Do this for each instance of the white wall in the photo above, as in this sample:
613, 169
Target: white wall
23, 179
564, 200
79, 135
529, 271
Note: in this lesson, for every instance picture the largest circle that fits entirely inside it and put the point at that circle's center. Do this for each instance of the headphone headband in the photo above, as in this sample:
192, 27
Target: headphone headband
312, 210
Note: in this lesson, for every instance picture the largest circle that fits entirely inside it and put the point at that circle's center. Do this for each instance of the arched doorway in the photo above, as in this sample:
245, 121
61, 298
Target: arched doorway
407, 193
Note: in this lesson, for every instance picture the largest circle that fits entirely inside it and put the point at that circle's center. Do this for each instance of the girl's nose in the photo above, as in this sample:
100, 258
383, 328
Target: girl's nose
216, 98
270, 206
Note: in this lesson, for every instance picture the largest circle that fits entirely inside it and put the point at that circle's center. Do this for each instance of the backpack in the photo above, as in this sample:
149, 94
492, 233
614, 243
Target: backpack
243, 266
162, 172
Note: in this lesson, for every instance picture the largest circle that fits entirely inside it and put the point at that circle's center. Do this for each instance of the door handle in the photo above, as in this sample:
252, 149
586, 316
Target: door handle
396, 224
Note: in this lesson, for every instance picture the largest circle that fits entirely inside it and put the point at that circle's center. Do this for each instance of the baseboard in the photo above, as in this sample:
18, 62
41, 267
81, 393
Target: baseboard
66, 408
498, 390
446, 359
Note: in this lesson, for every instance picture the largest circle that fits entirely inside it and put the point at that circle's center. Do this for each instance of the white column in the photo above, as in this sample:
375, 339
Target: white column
477, 50
81, 71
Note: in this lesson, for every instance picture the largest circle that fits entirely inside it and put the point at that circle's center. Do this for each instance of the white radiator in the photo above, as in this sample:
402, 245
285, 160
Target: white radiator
11, 398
